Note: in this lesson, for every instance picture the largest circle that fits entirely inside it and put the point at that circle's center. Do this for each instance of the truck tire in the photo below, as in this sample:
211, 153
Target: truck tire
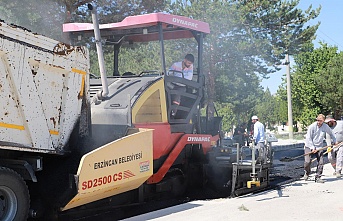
14, 196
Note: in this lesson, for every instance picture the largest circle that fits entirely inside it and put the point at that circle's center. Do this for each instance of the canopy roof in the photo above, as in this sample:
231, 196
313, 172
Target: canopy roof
142, 28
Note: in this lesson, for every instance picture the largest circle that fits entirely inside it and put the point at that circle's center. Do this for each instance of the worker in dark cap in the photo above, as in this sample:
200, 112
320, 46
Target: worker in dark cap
335, 156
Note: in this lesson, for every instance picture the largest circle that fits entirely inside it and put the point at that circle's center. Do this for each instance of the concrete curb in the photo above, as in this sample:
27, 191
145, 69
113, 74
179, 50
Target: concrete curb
276, 147
287, 146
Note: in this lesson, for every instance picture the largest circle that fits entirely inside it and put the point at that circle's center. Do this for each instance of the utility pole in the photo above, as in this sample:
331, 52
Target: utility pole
289, 98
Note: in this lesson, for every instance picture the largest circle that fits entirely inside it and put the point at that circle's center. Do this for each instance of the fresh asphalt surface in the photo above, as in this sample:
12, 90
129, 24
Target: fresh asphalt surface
281, 172
298, 200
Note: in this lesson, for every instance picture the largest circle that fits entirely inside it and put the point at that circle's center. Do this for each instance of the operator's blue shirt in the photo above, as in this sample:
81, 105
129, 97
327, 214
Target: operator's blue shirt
258, 132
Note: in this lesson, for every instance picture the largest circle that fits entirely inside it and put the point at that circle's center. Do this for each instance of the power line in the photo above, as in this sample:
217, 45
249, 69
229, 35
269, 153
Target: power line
323, 39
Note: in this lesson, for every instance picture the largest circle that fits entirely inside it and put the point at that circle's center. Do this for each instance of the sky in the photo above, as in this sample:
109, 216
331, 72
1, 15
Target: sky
330, 31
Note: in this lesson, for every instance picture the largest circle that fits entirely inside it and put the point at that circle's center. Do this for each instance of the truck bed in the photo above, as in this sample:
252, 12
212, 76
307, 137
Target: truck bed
42, 85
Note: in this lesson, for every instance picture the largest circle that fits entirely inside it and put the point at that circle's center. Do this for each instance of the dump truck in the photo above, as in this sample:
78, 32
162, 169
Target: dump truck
72, 141
44, 116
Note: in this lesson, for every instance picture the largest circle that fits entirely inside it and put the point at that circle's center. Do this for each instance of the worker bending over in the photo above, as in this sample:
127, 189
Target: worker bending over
335, 156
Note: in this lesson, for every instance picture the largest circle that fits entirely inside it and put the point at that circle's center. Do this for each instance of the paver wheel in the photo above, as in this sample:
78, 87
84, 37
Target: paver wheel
14, 196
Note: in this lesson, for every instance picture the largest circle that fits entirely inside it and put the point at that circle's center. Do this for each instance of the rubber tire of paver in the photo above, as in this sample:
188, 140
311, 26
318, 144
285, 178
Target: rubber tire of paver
14, 196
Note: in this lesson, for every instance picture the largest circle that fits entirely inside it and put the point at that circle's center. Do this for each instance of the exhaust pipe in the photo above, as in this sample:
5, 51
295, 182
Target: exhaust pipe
102, 94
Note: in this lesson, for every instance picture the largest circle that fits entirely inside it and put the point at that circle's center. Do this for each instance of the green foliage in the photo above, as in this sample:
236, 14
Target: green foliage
41, 16
248, 40
316, 84
266, 109
308, 115
307, 91
115, 11
281, 109
142, 57
329, 81
225, 111
47, 16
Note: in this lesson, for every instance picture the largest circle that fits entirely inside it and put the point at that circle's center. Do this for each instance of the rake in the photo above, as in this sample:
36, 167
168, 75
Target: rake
289, 159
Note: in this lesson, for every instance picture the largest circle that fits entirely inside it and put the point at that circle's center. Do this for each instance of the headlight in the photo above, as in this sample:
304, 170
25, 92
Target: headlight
225, 150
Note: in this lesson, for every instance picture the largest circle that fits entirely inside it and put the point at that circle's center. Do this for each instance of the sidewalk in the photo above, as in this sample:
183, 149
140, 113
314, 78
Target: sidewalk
285, 144
281, 144
300, 200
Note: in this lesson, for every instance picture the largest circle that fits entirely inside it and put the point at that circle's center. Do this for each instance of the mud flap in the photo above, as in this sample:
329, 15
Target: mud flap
114, 168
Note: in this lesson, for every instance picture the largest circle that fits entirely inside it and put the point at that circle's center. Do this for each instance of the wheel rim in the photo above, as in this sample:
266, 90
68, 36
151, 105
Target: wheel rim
8, 203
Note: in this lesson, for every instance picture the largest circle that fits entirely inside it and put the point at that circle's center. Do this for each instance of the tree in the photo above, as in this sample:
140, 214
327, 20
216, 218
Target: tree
40, 16
47, 16
146, 55
229, 118
329, 82
309, 73
248, 39
266, 109
281, 104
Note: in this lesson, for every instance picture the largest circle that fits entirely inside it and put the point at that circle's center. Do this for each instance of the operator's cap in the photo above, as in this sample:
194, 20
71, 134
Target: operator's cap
254, 117
329, 118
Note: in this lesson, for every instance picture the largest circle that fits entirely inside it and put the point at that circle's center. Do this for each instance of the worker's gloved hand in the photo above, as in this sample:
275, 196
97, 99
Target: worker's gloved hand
329, 149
